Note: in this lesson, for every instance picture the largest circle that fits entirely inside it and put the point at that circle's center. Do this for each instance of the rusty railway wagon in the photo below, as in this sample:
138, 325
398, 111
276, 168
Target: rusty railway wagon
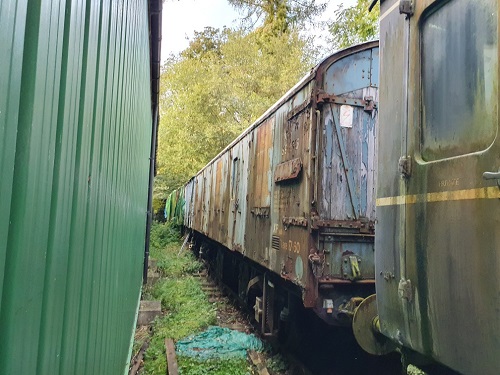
437, 259
290, 204
295, 192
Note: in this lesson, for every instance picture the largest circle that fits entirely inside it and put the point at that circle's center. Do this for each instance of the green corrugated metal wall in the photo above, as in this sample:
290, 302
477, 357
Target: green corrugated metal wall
75, 128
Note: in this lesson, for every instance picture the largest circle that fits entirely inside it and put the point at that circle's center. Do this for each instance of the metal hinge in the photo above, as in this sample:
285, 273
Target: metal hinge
406, 7
367, 102
370, 104
404, 166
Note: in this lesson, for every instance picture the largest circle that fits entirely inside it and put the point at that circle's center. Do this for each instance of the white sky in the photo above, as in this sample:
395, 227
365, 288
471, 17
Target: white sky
182, 17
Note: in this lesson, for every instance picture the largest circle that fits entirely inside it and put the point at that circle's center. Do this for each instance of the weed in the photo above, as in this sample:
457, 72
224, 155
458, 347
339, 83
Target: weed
186, 307
235, 366
163, 234
165, 249
187, 311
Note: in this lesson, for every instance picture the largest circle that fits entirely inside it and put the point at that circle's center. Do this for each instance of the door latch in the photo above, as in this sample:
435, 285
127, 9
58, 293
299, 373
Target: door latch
492, 176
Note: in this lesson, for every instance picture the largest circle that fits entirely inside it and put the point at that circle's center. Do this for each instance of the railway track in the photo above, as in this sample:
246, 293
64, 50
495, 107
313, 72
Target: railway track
314, 349
232, 314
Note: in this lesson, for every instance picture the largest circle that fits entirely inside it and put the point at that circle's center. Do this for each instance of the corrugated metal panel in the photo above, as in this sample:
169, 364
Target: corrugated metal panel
75, 126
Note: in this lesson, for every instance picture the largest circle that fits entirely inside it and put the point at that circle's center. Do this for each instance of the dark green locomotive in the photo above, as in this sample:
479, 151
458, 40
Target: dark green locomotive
438, 207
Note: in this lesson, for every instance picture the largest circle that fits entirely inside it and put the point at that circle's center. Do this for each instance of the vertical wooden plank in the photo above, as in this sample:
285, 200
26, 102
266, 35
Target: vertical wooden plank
172, 368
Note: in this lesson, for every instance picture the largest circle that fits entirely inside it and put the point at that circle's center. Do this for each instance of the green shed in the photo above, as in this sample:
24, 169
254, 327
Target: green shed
76, 87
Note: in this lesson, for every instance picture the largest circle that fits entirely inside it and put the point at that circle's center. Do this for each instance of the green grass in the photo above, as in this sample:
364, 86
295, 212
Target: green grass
163, 234
187, 311
165, 245
186, 307
235, 366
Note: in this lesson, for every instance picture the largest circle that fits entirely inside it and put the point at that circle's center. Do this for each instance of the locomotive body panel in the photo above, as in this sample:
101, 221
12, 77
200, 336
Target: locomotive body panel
392, 146
237, 194
443, 301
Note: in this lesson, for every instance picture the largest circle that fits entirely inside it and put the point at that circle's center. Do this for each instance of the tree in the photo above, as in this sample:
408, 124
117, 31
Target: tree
204, 42
216, 88
354, 25
278, 16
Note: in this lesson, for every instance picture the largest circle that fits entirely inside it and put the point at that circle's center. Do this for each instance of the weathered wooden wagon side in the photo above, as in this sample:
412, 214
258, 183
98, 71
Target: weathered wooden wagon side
295, 192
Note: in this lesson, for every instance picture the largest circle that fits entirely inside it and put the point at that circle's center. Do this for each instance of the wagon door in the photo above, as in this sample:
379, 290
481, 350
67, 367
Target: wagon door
236, 215
258, 223
449, 284
345, 220
291, 194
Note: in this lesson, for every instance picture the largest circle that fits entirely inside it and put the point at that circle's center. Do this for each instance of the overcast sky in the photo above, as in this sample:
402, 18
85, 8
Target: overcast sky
182, 17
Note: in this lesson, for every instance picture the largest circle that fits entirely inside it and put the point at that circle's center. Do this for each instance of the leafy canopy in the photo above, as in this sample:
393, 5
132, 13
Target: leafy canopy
278, 16
216, 88
354, 25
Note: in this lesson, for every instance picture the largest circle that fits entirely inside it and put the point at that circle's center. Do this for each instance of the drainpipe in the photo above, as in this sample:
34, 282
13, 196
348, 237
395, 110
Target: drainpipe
155, 10
149, 219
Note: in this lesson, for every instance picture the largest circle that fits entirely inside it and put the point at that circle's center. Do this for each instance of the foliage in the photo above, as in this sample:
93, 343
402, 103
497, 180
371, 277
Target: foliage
278, 16
163, 234
216, 88
186, 307
354, 24
165, 249
210, 40
173, 264
188, 311
192, 366
163, 186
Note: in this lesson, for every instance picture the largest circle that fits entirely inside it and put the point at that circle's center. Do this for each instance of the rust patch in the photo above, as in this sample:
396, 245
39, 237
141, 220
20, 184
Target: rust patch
367, 103
288, 170
359, 225
297, 110
260, 211
297, 221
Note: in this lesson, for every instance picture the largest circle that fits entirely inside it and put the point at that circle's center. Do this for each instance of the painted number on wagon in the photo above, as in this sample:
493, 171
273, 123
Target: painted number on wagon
292, 246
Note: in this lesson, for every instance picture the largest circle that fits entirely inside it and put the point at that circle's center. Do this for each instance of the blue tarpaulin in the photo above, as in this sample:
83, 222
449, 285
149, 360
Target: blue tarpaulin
218, 342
